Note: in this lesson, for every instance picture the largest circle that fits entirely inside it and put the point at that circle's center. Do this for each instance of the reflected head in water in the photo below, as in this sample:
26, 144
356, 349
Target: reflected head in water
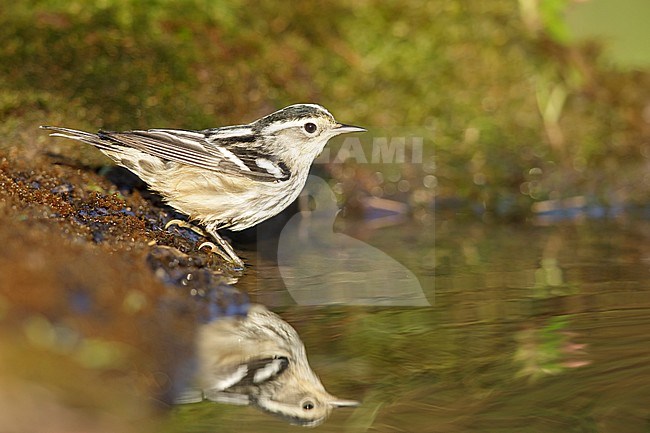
260, 360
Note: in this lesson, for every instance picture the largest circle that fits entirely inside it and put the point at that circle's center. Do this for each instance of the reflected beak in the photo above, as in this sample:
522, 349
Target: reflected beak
346, 129
344, 403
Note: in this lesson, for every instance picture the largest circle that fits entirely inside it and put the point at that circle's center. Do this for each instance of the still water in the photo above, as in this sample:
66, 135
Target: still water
511, 328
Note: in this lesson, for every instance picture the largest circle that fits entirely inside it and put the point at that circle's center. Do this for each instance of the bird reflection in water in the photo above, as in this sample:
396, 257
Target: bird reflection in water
259, 360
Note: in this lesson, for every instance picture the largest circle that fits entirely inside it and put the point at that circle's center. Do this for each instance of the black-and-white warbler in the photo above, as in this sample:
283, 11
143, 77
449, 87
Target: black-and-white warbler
232, 177
260, 360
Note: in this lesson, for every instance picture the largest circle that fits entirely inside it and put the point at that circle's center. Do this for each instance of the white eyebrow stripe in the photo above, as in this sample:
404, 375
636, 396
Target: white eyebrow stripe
269, 166
278, 126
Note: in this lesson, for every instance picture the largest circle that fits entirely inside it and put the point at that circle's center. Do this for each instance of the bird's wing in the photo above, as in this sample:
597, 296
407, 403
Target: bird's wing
226, 154
262, 370
252, 372
203, 149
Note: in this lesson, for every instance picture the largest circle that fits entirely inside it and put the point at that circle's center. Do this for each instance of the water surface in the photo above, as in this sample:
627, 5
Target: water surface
531, 328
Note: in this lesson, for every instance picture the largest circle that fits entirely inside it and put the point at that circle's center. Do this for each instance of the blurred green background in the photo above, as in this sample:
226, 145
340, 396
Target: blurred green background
518, 102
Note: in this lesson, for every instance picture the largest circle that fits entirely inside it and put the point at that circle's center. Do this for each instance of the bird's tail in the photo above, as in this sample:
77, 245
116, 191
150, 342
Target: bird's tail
99, 140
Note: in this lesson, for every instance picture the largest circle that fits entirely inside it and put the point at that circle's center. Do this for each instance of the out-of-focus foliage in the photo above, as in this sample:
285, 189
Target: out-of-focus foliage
514, 114
622, 26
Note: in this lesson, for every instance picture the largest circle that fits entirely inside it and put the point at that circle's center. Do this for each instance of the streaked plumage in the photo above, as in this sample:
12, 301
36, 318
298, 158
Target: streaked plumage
260, 360
231, 177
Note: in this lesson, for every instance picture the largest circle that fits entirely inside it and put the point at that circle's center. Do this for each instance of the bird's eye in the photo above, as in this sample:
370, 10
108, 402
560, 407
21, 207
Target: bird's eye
307, 405
310, 127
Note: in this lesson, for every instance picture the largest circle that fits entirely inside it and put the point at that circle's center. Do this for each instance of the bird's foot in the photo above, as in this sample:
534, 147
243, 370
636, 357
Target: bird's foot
186, 225
225, 251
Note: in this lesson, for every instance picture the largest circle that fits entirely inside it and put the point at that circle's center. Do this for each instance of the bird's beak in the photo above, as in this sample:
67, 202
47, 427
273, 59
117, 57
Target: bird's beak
337, 402
346, 129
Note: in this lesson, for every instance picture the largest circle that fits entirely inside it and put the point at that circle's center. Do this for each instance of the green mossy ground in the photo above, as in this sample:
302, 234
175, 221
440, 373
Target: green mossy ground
509, 115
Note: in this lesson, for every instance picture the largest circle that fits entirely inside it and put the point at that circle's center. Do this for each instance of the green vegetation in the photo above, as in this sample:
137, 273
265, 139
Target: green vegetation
514, 113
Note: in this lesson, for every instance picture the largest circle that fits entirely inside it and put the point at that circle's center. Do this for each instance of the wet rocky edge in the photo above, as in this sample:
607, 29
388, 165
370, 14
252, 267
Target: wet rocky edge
97, 298
94, 287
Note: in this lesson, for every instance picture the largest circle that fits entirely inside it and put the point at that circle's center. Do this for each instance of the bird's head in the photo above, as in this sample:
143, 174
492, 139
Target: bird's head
301, 129
308, 407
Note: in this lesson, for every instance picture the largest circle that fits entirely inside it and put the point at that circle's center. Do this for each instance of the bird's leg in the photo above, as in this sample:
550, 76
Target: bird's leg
230, 254
186, 225
223, 249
